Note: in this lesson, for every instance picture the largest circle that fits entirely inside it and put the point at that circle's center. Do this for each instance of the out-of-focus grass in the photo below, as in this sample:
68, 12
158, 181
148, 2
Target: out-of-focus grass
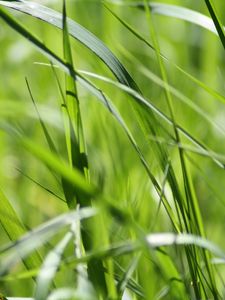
130, 206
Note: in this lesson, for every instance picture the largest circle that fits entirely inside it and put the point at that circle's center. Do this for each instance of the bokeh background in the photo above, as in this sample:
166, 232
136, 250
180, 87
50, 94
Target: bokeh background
113, 163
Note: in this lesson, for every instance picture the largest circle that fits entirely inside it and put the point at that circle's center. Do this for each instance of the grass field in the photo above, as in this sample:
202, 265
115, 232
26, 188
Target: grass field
112, 150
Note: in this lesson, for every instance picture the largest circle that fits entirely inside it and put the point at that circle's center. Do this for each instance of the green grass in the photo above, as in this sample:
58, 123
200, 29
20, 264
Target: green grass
112, 150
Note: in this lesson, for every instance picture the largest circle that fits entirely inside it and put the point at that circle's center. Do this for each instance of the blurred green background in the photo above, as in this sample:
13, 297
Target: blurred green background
113, 163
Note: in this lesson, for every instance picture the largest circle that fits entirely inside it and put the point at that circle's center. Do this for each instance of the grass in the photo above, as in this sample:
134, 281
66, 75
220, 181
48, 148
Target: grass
119, 198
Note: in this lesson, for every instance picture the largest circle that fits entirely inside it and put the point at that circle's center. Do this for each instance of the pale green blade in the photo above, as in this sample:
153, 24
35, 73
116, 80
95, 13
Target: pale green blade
78, 32
38, 236
174, 11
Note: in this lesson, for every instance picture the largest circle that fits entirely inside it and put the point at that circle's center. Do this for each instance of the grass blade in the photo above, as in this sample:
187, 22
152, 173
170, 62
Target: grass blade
174, 11
38, 236
76, 146
217, 22
44, 128
78, 32
15, 229
49, 268
169, 239
71, 175
218, 159
95, 91
166, 11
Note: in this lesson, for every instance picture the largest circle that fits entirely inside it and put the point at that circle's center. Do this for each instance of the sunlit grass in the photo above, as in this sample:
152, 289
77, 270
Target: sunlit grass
112, 150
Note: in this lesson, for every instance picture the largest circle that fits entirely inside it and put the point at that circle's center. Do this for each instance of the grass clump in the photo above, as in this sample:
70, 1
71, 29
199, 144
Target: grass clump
119, 198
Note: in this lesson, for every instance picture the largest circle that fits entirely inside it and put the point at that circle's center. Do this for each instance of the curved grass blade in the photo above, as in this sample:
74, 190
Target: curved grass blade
95, 91
174, 11
38, 236
78, 32
205, 87
210, 154
183, 13
67, 68
179, 95
90, 87
85, 83
46, 14
157, 240
107, 103
153, 241
201, 149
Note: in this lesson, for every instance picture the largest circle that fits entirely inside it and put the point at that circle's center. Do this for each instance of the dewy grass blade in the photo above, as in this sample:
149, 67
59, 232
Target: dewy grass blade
78, 32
